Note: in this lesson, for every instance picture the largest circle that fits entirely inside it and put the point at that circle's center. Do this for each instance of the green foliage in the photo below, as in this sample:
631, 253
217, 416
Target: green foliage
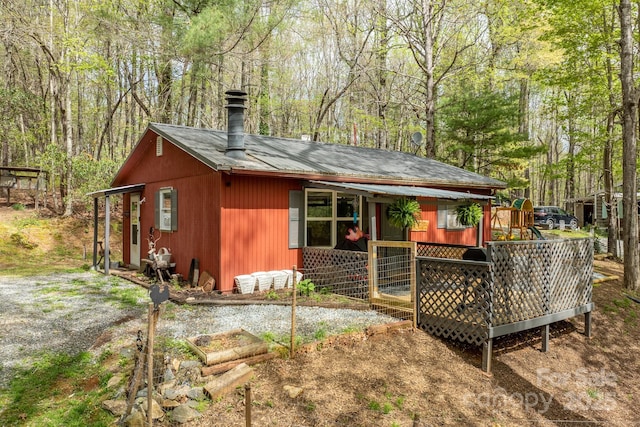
306, 287
469, 214
404, 213
90, 175
17, 207
480, 129
321, 332
52, 372
22, 241
272, 295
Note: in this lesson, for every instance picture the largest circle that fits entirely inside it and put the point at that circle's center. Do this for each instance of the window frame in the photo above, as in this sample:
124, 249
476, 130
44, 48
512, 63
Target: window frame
334, 219
162, 212
447, 216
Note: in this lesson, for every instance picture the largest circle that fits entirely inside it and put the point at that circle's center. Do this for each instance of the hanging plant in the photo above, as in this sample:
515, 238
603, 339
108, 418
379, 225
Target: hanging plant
469, 214
404, 213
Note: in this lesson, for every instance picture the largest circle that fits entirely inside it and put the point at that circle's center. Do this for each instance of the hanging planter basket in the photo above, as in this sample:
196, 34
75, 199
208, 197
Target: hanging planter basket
404, 213
469, 214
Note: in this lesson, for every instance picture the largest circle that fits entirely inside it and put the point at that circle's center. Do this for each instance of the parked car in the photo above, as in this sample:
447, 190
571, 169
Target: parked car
551, 216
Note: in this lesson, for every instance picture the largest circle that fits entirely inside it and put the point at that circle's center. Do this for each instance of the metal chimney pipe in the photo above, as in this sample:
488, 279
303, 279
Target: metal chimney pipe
235, 123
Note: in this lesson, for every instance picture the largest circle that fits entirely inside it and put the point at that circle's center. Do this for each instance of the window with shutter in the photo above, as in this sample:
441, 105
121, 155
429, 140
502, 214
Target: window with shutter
166, 209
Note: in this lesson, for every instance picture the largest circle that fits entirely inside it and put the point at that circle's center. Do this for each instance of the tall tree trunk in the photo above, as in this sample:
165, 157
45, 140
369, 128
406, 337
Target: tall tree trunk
629, 155
219, 111
382, 38
165, 72
607, 159
523, 126
67, 130
569, 188
429, 82
264, 127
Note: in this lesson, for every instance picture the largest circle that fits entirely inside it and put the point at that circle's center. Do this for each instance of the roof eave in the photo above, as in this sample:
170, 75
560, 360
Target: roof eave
370, 179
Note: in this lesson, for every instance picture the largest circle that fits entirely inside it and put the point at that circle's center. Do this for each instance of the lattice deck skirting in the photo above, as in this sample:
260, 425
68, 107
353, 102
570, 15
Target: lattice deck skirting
521, 285
468, 294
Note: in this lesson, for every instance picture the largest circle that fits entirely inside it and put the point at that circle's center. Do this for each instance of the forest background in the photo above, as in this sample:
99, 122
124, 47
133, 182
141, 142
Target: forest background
527, 91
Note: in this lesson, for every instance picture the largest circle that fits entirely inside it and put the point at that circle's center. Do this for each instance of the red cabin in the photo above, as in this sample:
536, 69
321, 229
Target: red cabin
243, 203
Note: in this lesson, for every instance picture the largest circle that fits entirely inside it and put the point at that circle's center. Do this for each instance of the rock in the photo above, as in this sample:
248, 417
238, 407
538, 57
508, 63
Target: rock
196, 393
175, 364
126, 352
168, 374
183, 414
293, 391
193, 404
135, 419
114, 381
120, 392
176, 393
166, 386
170, 404
189, 364
156, 410
116, 407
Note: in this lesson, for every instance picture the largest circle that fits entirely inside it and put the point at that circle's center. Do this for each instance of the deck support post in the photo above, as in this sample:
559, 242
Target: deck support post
545, 338
587, 324
487, 349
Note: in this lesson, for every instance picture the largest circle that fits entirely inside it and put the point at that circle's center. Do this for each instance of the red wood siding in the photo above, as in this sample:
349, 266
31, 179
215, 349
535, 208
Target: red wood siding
255, 232
233, 224
466, 236
143, 166
198, 234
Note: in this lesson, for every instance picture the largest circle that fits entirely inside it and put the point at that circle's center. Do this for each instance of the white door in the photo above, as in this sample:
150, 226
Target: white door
134, 252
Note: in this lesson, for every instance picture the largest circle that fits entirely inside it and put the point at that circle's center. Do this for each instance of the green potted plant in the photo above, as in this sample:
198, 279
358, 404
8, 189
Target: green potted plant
469, 214
404, 213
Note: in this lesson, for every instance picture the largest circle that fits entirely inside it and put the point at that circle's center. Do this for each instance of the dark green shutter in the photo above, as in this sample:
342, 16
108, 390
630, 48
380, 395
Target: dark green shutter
296, 219
174, 209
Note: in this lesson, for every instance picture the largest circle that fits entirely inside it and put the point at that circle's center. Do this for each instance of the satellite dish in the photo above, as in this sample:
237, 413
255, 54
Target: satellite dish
416, 139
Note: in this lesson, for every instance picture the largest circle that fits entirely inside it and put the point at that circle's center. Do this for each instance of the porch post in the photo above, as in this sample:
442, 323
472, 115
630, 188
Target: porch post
480, 231
373, 233
107, 225
95, 233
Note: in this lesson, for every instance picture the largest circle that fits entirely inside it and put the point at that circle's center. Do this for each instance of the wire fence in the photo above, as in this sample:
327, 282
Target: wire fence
382, 280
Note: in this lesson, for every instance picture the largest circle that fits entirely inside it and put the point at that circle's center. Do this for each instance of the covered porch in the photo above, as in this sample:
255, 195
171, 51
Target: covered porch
103, 249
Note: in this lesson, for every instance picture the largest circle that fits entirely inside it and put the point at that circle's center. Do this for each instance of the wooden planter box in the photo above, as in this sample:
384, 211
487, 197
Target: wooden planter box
226, 346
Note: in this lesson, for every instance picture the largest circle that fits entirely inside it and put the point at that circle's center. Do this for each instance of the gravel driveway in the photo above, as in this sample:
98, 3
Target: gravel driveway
67, 313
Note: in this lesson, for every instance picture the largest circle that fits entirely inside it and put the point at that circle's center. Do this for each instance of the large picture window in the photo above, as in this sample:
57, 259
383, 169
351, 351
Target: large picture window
166, 209
329, 214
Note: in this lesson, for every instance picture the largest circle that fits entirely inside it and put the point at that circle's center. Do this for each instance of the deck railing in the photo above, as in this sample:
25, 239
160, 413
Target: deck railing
522, 285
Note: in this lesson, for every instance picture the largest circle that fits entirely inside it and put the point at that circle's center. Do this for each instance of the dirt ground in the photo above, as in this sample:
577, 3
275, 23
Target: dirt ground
409, 378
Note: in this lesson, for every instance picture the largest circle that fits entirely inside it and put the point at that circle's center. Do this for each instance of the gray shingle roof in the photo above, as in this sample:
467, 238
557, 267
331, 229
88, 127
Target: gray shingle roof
282, 155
